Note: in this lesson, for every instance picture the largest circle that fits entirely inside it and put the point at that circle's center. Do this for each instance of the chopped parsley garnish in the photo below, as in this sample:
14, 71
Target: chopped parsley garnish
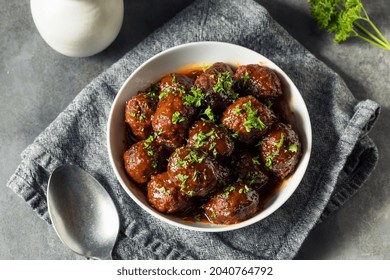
224, 85
237, 110
195, 175
190, 193
213, 215
183, 179
174, 81
193, 157
245, 189
245, 79
252, 120
164, 93
227, 191
151, 92
177, 118
165, 191
204, 174
255, 160
148, 147
150, 139
252, 178
268, 161
182, 163
208, 112
280, 143
235, 135
293, 148
202, 138
197, 217
180, 89
142, 117
215, 153
132, 114
194, 98
268, 102
233, 95
154, 164
150, 95
212, 146
205, 66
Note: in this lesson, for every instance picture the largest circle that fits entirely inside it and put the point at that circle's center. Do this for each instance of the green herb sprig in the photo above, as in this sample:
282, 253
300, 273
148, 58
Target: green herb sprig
347, 18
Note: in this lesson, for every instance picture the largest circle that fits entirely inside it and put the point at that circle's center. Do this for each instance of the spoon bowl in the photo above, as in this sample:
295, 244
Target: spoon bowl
82, 212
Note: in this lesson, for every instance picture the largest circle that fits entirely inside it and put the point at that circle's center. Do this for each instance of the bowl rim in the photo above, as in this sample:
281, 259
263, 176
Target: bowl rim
215, 227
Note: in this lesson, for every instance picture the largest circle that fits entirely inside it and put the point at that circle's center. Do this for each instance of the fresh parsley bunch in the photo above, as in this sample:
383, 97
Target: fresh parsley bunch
347, 18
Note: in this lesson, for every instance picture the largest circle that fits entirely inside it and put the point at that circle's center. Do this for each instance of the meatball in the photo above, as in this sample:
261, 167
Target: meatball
210, 138
251, 171
259, 81
172, 120
138, 111
216, 85
144, 159
194, 172
232, 205
176, 81
166, 197
248, 118
281, 150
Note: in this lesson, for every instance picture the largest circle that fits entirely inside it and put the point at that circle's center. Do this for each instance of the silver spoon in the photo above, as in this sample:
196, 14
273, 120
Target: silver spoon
82, 212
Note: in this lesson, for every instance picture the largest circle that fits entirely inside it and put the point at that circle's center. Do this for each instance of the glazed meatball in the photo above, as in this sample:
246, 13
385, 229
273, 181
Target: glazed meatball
259, 81
248, 119
194, 172
210, 138
144, 159
251, 171
166, 197
216, 85
172, 120
176, 81
232, 205
281, 150
139, 109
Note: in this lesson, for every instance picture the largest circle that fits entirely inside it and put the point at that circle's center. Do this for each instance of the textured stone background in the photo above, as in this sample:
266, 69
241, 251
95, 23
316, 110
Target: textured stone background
36, 84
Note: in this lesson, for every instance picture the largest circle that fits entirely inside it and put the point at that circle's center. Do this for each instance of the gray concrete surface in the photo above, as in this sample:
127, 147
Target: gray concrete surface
36, 84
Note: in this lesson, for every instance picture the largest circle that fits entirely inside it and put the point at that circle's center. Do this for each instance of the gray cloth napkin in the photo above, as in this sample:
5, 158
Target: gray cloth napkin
343, 155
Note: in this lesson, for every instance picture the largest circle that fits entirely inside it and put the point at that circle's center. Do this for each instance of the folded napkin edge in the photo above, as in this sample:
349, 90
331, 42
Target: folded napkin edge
357, 171
360, 123
25, 190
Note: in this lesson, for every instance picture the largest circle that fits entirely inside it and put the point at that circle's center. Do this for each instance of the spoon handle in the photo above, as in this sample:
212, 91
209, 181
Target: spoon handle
109, 257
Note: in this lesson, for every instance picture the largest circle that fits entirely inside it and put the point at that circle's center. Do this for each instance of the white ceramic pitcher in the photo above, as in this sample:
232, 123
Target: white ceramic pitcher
78, 28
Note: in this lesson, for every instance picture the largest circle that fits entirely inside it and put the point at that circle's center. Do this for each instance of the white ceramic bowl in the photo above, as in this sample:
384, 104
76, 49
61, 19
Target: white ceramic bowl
184, 57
